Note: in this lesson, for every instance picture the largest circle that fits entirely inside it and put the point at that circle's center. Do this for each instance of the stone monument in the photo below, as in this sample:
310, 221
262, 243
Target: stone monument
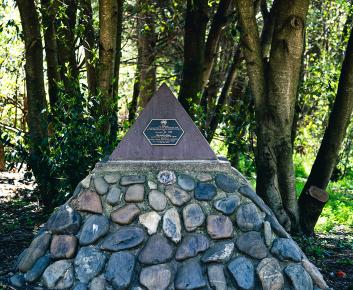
164, 213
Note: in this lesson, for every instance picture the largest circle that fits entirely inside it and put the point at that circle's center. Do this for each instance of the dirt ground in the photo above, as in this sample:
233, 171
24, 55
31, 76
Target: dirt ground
21, 216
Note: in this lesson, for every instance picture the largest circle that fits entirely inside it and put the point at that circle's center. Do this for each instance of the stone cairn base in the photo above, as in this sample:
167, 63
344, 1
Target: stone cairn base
165, 225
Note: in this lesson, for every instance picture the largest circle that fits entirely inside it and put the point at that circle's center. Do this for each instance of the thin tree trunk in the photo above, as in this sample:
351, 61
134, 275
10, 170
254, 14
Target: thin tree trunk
218, 24
119, 31
107, 50
231, 77
147, 43
275, 89
135, 94
194, 48
2, 157
330, 145
51, 50
37, 118
89, 44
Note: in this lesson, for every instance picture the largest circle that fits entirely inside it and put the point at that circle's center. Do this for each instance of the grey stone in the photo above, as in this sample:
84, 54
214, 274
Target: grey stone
227, 205
64, 221
299, 277
268, 234
113, 196
270, 274
63, 246
100, 185
81, 286
177, 195
216, 277
95, 227
132, 179
191, 246
111, 178
156, 251
120, 269
314, 273
193, 216
156, 277
172, 225
276, 226
89, 262
166, 177
251, 243
89, 201
150, 221
219, 226
18, 280
226, 183
204, 177
242, 271
189, 276
38, 268
219, 252
98, 283
248, 192
135, 193
157, 200
86, 181
151, 185
205, 191
59, 275
124, 238
37, 248
248, 218
285, 249
125, 215
186, 182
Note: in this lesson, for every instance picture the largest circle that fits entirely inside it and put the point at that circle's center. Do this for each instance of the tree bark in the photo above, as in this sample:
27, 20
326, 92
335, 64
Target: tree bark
107, 50
194, 48
147, 44
37, 106
51, 50
89, 44
119, 31
274, 86
218, 24
330, 145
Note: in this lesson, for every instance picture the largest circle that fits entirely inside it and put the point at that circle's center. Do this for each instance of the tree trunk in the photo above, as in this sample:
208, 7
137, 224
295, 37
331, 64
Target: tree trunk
65, 29
194, 48
231, 77
147, 44
89, 44
274, 86
37, 118
218, 24
51, 50
2, 157
107, 50
330, 145
119, 31
135, 94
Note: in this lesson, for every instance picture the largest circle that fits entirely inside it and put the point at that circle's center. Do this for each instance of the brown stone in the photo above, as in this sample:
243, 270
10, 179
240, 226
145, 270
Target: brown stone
219, 226
63, 246
135, 193
89, 201
125, 215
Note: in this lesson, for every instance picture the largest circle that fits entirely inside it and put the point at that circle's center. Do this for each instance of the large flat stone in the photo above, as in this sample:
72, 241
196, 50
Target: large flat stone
226, 183
314, 273
252, 244
172, 225
219, 252
270, 274
132, 179
248, 217
125, 215
95, 227
242, 271
124, 238
156, 251
157, 200
135, 193
189, 276
186, 182
299, 277
120, 269
227, 205
216, 276
37, 248
285, 249
59, 275
191, 246
177, 196
193, 216
89, 201
64, 221
205, 191
38, 268
219, 227
100, 185
113, 196
156, 277
89, 262
63, 246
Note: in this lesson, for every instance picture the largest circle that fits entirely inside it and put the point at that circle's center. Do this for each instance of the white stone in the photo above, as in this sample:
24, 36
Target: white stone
151, 185
150, 221
86, 181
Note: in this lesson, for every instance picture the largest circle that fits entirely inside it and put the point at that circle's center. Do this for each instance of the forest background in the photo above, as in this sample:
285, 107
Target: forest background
269, 84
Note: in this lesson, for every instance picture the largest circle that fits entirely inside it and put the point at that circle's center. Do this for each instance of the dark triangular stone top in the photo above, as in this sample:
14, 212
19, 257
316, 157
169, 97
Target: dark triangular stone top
182, 140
